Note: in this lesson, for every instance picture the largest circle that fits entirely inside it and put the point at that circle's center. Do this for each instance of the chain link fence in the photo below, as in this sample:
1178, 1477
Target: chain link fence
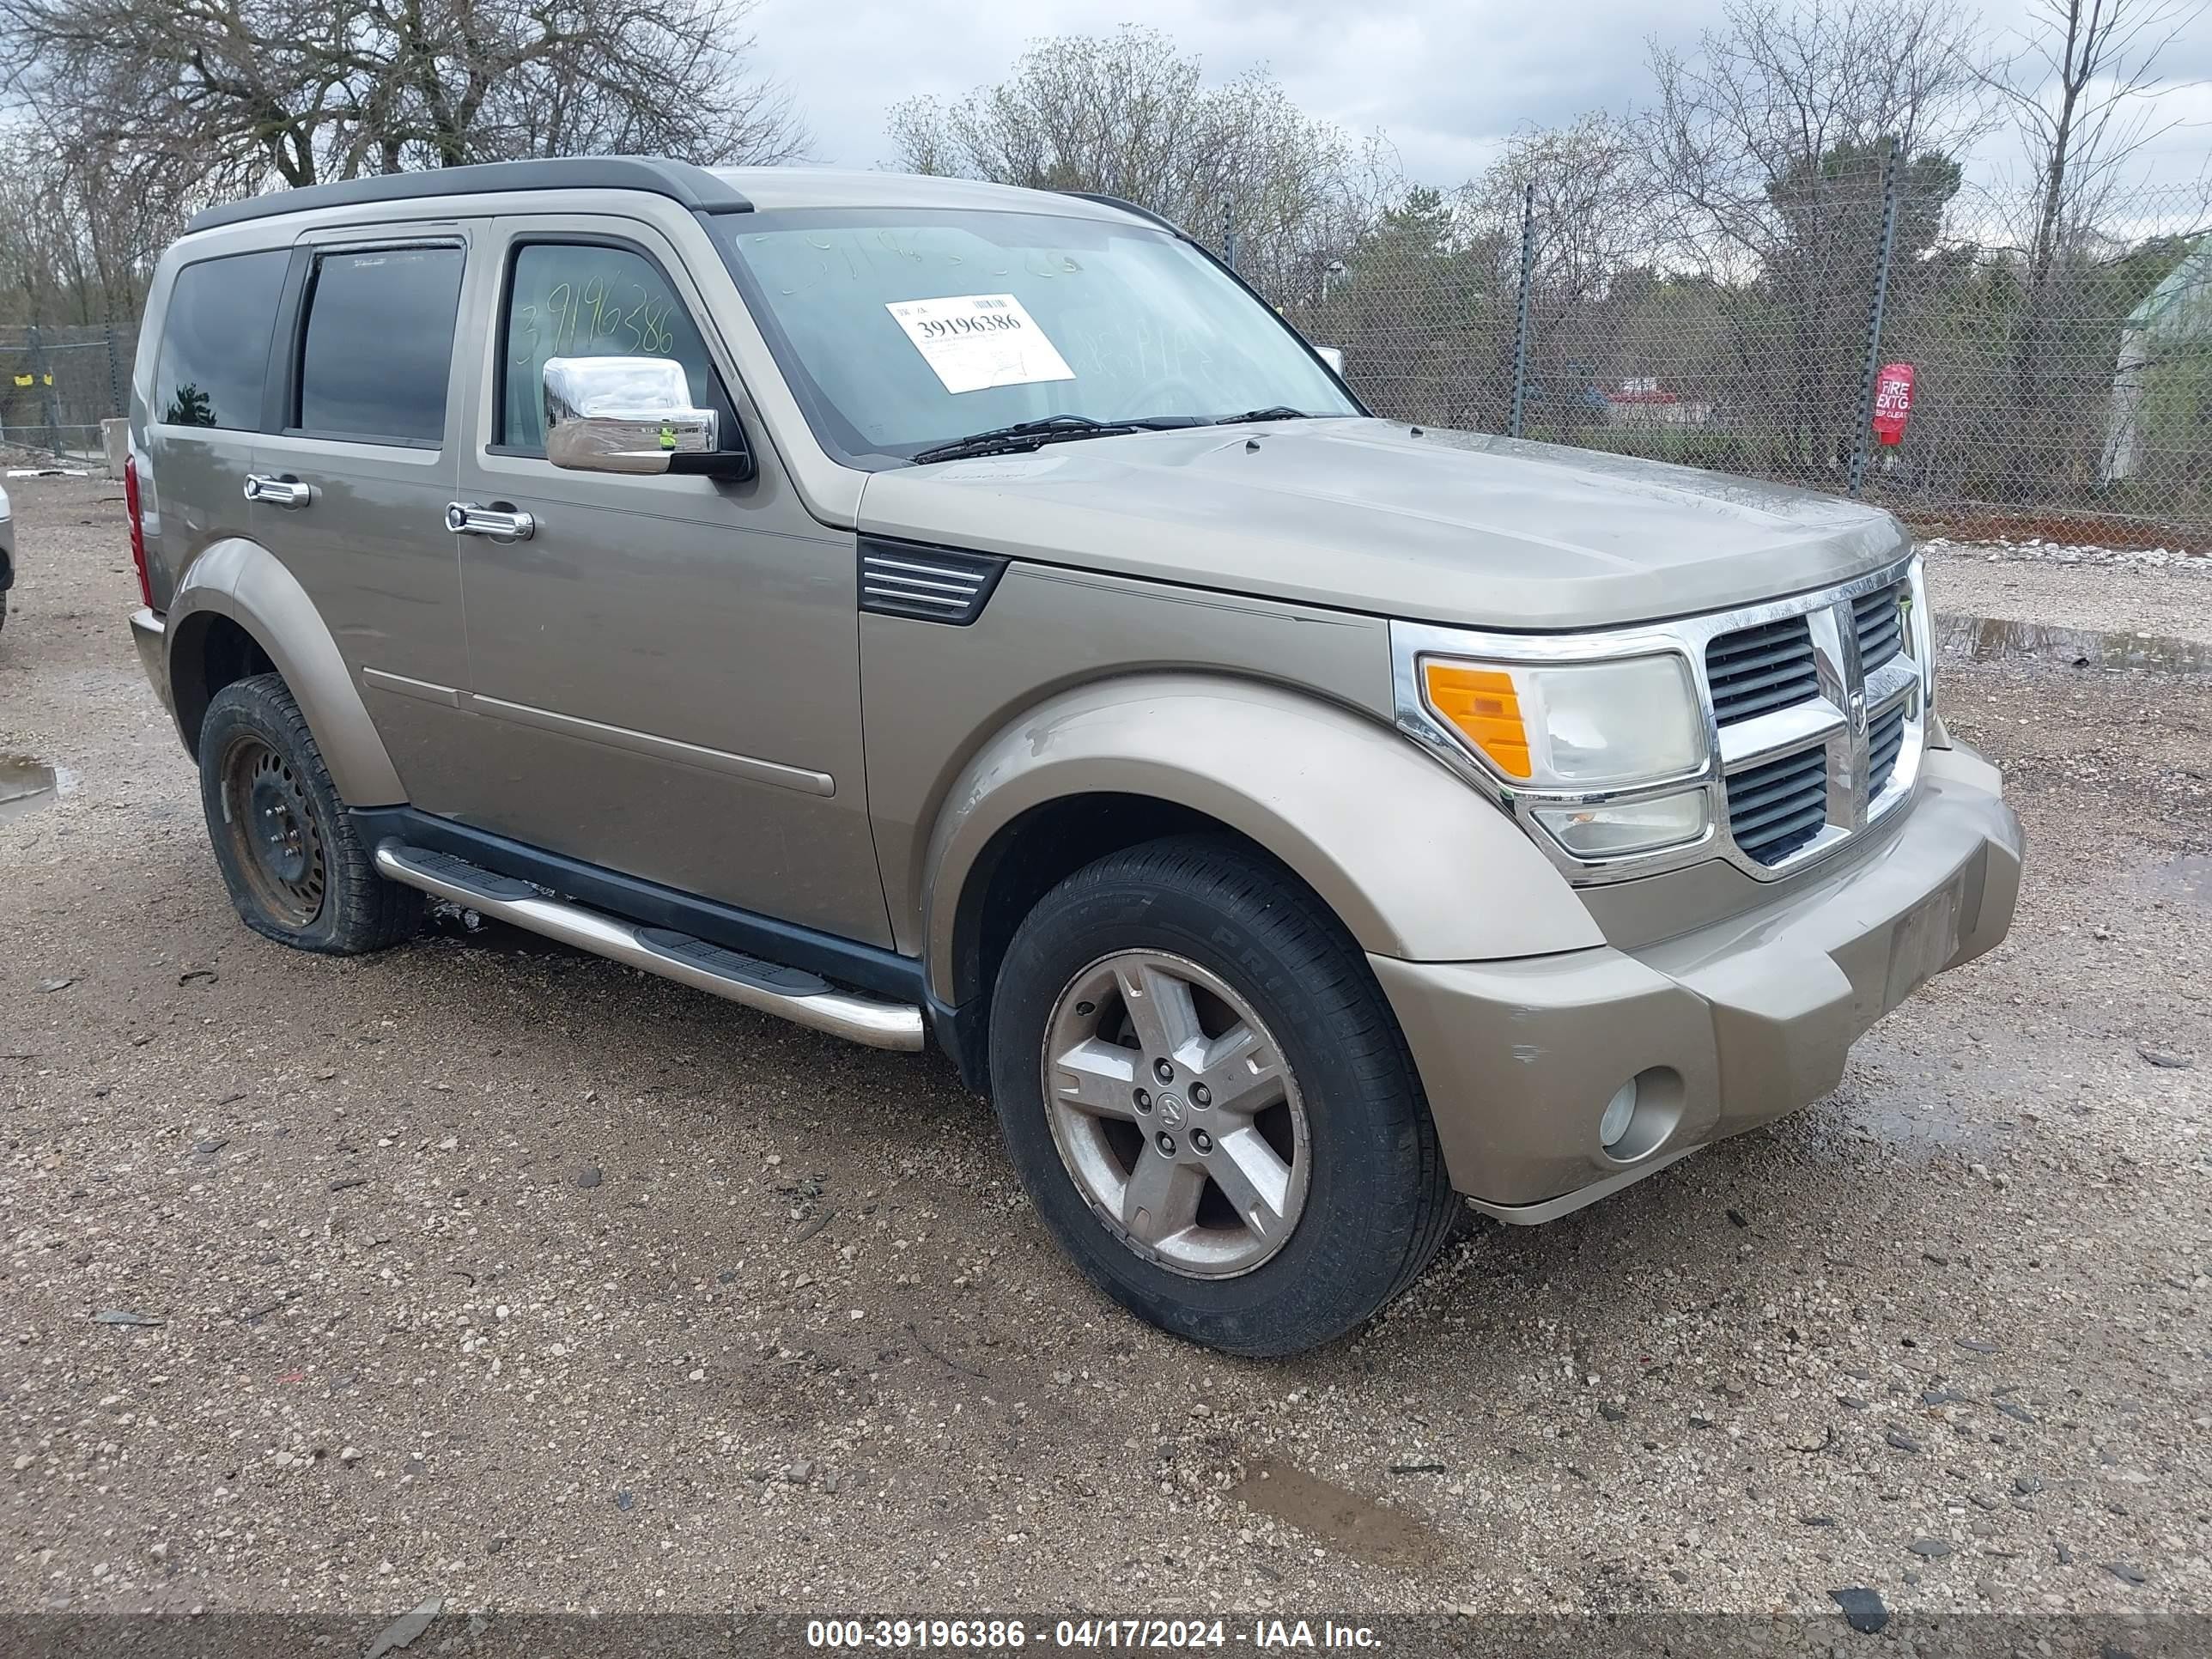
56, 384
2061, 381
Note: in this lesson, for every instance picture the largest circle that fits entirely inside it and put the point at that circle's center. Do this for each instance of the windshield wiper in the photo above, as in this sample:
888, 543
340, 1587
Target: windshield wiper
1061, 428
1026, 434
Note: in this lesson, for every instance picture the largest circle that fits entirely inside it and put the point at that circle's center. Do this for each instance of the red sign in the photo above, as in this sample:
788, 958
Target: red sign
1892, 402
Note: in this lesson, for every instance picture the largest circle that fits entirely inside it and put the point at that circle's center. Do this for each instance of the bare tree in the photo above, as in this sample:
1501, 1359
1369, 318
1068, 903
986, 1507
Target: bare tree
1767, 144
234, 94
1778, 87
84, 228
1129, 114
1595, 202
2082, 90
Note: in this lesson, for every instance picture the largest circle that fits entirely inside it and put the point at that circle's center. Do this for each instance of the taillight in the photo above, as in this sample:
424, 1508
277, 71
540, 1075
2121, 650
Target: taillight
137, 528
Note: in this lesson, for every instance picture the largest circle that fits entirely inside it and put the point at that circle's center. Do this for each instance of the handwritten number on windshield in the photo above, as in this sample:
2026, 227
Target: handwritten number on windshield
598, 319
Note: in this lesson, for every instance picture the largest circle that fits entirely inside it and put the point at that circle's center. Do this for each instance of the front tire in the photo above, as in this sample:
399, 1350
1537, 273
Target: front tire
296, 872
1209, 1101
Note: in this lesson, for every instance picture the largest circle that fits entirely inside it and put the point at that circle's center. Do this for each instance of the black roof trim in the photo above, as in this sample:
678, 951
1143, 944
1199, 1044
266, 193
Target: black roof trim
1144, 212
680, 181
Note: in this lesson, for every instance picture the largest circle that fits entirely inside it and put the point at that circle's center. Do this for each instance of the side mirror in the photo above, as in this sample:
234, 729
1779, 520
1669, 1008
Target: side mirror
633, 415
1333, 356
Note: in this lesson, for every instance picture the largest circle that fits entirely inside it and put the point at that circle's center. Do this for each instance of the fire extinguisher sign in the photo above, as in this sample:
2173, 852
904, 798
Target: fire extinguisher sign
1892, 402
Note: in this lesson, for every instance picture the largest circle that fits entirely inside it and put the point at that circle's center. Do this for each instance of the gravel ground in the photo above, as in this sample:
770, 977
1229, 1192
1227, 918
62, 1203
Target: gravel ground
495, 1273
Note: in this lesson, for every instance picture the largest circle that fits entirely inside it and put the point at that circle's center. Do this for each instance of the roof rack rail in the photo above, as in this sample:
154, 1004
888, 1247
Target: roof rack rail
1144, 212
680, 181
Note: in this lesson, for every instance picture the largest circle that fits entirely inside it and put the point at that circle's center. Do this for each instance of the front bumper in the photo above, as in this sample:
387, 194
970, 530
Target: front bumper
1726, 1027
150, 633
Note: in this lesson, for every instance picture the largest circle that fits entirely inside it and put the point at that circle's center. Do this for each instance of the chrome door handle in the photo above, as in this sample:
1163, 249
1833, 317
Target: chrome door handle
278, 492
502, 524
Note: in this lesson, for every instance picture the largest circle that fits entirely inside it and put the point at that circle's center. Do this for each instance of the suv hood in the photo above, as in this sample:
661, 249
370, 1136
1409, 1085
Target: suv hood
1363, 515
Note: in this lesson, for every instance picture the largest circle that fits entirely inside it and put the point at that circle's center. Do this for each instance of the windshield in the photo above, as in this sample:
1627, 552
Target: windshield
901, 330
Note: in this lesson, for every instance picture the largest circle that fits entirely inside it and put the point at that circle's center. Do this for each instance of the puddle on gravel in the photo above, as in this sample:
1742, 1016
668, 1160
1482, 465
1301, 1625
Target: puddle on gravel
25, 785
1988, 639
1339, 1516
2193, 873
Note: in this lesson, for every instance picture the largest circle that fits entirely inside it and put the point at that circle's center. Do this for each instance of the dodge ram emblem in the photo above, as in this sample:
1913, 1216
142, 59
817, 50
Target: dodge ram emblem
1170, 1109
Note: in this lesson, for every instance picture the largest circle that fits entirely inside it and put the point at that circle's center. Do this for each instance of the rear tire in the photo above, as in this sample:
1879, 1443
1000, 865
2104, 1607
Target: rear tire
1272, 1178
296, 872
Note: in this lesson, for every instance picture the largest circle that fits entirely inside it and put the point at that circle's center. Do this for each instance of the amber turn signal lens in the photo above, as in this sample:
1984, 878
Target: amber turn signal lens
1482, 705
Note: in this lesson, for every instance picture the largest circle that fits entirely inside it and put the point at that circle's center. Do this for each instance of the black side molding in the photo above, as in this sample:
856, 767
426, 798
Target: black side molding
929, 584
680, 181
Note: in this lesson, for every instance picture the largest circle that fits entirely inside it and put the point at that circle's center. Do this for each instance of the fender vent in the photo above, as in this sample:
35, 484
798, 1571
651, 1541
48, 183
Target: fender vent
930, 584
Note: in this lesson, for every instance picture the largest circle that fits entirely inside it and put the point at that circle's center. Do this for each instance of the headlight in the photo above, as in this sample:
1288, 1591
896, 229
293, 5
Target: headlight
1616, 828
1572, 725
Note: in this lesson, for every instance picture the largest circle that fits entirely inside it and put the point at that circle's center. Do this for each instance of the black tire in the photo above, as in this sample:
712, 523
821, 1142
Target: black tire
1377, 1204
337, 904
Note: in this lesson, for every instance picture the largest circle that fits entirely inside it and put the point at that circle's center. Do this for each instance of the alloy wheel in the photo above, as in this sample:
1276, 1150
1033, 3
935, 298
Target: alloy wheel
1176, 1114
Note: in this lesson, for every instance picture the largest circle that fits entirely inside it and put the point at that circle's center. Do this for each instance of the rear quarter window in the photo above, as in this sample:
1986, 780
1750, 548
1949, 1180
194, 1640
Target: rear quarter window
215, 341
378, 346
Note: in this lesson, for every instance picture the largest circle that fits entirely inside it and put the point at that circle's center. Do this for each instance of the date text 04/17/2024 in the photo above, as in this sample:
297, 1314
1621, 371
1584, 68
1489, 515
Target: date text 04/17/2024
1109, 1635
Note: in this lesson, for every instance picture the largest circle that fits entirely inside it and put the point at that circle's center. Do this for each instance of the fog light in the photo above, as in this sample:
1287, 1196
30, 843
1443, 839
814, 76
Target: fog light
1604, 832
1618, 1111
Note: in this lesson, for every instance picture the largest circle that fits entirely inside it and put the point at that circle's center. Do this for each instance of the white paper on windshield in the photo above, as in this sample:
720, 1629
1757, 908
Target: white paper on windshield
975, 341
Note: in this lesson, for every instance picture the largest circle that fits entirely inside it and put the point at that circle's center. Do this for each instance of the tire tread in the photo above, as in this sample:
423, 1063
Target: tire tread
1290, 923
362, 911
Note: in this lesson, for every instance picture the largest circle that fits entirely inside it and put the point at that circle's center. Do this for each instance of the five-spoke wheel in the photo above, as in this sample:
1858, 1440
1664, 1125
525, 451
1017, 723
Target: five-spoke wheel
1208, 1099
1175, 1112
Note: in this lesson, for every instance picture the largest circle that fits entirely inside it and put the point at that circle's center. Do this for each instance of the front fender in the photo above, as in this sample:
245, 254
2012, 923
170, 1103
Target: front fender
244, 581
1415, 863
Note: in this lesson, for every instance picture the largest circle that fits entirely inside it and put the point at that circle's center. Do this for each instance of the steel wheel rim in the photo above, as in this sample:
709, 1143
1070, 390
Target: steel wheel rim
1189, 1143
279, 843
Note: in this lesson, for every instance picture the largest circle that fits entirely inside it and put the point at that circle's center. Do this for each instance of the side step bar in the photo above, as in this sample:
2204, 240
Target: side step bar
802, 998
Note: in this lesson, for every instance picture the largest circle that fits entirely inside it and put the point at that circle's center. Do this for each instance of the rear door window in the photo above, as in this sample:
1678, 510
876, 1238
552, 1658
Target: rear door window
215, 341
590, 300
378, 346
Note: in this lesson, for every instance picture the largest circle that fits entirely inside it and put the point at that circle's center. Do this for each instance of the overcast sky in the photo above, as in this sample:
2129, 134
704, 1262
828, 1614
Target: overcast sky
1446, 79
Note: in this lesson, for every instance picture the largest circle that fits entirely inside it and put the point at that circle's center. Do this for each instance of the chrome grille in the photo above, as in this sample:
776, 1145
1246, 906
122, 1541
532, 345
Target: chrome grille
1758, 669
1885, 741
1776, 808
1880, 624
1803, 777
1816, 723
